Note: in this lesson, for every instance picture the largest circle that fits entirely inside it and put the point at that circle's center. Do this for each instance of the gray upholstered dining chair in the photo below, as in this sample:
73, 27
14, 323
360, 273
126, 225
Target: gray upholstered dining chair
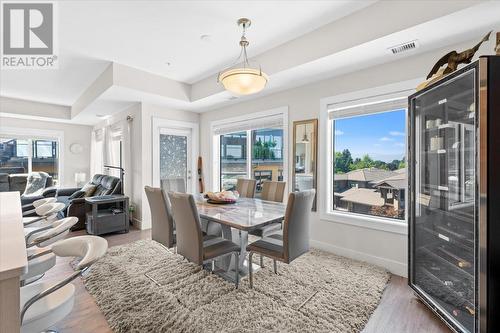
190, 241
246, 187
43, 304
294, 241
177, 184
162, 222
271, 191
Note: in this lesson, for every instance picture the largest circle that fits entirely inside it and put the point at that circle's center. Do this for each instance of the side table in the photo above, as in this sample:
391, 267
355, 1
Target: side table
105, 214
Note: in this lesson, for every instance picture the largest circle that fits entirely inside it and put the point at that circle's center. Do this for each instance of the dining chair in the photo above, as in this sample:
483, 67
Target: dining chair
162, 222
294, 241
45, 213
44, 304
173, 185
30, 208
190, 241
40, 256
179, 185
246, 187
271, 191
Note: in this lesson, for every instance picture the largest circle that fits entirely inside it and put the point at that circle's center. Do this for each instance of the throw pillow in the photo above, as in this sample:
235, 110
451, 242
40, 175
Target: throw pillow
77, 194
35, 183
89, 189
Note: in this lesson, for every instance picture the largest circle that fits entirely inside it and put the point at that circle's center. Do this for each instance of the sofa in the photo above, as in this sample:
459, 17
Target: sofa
17, 182
74, 198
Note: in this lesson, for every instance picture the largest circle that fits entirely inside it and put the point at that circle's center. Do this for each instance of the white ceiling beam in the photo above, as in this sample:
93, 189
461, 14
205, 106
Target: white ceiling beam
26, 109
96, 89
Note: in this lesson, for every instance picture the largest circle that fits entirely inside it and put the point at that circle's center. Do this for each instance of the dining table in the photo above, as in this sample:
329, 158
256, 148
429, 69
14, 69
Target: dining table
236, 220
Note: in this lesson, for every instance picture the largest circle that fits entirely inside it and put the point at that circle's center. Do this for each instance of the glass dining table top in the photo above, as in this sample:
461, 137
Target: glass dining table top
246, 214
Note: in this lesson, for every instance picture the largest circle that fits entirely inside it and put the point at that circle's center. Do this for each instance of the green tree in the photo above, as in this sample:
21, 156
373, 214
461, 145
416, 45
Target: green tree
263, 150
342, 161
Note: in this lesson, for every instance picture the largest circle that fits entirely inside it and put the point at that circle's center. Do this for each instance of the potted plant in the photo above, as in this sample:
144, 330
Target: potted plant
131, 210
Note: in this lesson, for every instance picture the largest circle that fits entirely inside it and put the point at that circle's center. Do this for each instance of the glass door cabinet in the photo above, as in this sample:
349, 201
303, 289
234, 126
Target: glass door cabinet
448, 181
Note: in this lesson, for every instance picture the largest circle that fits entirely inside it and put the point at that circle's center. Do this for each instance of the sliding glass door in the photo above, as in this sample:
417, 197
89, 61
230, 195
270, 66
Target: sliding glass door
24, 155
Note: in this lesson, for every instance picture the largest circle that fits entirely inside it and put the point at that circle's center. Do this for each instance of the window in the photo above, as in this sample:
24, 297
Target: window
19, 155
369, 159
267, 155
233, 163
250, 146
263, 162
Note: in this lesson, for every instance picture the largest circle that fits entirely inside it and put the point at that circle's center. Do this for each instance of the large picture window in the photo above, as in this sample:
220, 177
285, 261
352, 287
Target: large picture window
369, 160
21, 155
264, 160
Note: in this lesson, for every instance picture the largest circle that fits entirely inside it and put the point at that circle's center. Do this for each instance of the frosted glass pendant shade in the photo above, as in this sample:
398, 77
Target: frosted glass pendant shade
243, 81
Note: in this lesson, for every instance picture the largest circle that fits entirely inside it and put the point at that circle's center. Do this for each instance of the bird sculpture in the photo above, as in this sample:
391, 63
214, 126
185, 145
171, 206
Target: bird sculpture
453, 59
497, 47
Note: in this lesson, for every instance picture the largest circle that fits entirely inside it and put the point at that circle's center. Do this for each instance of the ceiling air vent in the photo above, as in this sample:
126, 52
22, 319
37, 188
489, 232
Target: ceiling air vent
408, 46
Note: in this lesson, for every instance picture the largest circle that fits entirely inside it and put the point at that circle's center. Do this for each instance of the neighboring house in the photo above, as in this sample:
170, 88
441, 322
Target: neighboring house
392, 190
365, 190
359, 200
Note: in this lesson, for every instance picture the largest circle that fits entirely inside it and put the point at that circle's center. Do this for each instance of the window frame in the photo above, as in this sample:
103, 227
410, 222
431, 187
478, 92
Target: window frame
214, 181
31, 134
326, 158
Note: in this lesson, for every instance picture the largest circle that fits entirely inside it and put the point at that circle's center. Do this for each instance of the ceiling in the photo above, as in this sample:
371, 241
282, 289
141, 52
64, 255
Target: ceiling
148, 34
296, 42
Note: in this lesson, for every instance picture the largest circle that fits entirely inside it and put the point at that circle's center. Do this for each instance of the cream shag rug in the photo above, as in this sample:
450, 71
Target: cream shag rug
346, 292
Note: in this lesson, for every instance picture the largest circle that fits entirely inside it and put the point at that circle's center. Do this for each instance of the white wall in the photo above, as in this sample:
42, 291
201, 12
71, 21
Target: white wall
148, 112
141, 133
72, 134
386, 249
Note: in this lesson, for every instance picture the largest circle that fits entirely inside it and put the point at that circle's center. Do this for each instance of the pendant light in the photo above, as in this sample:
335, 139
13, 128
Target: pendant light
305, 139
242, 78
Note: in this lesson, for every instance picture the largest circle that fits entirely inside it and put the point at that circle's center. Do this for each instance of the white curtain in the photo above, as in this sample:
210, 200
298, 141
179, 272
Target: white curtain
117, 133
97, 152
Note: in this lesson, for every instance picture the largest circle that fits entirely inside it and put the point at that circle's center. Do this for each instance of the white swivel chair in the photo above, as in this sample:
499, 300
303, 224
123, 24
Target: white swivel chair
40, 256
46, 212
44, 304
36, 204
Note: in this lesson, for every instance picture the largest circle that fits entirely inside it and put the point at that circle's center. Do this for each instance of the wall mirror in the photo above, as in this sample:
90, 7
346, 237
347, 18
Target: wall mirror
305, 154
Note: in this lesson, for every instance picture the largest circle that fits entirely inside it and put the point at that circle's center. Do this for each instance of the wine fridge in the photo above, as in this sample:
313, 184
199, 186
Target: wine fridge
454, 197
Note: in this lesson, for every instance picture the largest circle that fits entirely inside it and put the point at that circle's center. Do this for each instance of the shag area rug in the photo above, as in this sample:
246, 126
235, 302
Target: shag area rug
344, 294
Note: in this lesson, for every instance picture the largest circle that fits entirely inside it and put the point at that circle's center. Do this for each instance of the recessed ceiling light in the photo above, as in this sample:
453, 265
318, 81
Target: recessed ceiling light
205, 37
103, 116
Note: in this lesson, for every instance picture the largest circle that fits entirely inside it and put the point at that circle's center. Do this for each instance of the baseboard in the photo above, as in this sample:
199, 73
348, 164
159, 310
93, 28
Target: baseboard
137, 223
395, 267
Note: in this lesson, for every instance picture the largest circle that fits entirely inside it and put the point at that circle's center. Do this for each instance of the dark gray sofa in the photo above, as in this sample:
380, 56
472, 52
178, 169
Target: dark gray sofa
17, 182
74, 198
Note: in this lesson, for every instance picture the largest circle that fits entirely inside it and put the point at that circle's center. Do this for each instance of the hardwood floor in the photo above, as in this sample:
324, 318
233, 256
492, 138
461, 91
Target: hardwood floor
399, 311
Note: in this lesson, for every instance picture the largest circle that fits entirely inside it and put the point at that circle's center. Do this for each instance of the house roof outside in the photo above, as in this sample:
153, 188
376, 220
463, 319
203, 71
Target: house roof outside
365, 175
397, 181
363, 196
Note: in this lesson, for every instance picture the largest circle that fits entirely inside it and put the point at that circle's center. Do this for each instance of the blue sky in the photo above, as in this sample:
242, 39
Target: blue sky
381, 135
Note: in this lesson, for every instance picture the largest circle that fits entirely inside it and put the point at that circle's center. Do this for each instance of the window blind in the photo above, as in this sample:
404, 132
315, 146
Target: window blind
274, 121
380, 103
